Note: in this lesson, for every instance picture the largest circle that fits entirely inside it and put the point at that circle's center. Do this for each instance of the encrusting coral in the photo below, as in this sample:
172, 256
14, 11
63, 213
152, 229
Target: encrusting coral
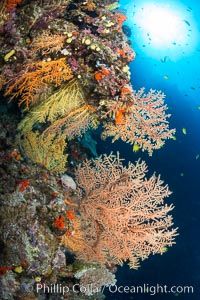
95, 279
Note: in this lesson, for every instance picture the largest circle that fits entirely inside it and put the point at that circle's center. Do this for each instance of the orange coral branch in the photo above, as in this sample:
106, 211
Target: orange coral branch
144, 122
35, 79
122, 211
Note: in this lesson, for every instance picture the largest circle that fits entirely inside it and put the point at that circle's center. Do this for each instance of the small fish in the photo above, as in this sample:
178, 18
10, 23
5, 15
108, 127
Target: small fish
164, 249
189, 8
166, 77
193, 88
174, 137
197, 156
198, 107
182, 174
184, 131
186, 22
136, 147
163, 60
174, 43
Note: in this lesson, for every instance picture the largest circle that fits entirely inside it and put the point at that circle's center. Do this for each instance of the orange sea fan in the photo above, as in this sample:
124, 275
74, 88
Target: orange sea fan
47, 43
144, 122
123, 215
35, 79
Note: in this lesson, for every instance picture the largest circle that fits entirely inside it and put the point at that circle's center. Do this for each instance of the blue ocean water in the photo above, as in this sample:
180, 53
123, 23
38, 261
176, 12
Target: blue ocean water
173, 68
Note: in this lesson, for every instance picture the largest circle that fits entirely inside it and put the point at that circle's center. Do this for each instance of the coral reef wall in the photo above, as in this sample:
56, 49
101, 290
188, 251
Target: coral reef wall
67, 219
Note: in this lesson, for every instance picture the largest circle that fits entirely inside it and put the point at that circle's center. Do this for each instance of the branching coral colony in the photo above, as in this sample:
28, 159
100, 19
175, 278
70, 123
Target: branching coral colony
66, 63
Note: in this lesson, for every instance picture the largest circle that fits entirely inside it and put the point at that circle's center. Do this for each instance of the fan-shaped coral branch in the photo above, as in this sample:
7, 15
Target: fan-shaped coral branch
34, 79
47, 43
66, 110
141, 119
123, 214
48, 152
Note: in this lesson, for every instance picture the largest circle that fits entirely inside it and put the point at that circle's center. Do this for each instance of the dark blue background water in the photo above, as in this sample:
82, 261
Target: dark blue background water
178, 161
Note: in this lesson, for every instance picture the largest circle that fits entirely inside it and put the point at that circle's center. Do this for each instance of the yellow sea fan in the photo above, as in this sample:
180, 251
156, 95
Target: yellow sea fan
67, 110
48, 151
